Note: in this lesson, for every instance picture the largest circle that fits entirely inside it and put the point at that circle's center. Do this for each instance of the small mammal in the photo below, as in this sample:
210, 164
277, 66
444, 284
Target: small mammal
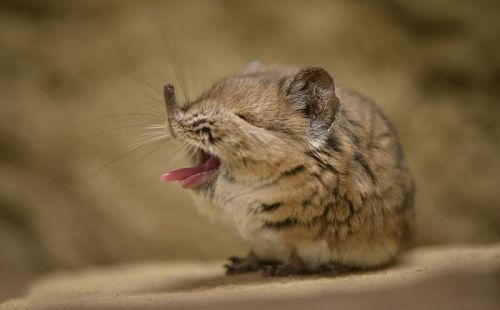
311, 175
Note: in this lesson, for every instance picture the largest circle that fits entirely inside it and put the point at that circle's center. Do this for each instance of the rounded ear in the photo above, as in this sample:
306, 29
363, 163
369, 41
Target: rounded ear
312, 91
252, 66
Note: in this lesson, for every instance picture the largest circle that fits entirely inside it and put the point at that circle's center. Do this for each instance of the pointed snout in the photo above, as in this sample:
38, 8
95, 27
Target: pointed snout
171, 106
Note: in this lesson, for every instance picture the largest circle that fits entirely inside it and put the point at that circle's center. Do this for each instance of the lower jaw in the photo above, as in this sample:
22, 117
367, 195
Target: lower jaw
202, 174
199, 180
205, 178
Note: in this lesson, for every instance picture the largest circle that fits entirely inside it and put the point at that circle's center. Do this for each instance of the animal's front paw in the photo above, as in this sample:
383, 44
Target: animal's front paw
246, 264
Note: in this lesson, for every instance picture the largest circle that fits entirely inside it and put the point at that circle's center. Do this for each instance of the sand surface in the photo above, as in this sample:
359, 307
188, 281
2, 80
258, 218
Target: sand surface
203, 284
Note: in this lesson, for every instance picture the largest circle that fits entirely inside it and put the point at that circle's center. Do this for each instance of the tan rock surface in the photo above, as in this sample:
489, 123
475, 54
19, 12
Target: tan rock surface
188, 284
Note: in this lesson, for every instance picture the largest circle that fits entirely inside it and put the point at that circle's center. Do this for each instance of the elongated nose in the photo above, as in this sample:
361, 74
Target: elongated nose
171, 106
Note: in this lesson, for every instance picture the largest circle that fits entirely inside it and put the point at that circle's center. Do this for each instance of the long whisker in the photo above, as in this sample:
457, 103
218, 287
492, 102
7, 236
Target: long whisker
156, 99
140, 106
122, 130
181, 151
145, 137
161, 126
150, 85
174, 63
192, 76
144, 116
135, 163
110, 162
173, 58
176, 151
191, 151
144, 106
146, 140
151, 134
181, 70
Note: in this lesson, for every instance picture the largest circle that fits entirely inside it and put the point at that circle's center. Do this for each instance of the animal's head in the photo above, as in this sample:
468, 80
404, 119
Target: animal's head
253, 125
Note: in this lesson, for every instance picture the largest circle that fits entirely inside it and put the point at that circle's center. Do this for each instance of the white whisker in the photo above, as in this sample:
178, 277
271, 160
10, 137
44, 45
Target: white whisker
145, 142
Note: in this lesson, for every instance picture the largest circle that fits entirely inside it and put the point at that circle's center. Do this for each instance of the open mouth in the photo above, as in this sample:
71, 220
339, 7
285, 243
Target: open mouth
195, 176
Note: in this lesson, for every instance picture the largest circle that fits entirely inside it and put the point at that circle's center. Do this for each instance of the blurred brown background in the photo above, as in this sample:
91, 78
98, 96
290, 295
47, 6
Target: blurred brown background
75, 93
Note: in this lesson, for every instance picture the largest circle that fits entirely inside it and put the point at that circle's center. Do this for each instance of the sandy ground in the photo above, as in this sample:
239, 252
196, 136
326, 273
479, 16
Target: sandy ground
188, 284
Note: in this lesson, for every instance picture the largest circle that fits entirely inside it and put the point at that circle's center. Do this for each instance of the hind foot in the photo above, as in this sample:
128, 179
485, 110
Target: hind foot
295, 266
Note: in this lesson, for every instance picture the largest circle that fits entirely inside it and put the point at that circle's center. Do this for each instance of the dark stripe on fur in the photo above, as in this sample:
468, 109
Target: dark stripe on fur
361, 160
321, 163
289, 222
334, 143
293, 171
318, 177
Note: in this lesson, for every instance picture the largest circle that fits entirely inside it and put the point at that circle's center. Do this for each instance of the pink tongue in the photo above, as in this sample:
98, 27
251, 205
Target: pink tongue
193, 176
